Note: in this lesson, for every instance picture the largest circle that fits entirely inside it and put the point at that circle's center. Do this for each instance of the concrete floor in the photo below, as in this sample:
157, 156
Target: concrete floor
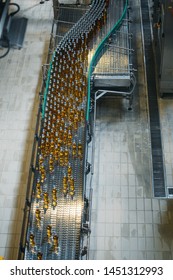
127, 222
20, 73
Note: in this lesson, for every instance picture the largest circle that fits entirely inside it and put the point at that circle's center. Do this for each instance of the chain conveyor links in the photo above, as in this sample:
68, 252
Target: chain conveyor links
57, 203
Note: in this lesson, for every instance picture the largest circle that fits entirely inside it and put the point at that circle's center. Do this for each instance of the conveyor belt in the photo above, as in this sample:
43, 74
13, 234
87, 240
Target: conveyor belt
55, 225
56, 221
67, 17
102, 49
115, 56
156, 143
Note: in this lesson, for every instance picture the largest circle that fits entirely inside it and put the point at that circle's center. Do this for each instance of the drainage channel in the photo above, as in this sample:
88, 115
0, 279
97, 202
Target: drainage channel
156, 143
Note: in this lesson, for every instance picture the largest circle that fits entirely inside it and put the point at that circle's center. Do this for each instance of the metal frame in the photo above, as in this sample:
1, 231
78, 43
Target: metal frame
116, 78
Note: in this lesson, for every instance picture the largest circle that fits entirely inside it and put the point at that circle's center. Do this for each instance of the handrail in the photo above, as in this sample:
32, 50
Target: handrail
98, 51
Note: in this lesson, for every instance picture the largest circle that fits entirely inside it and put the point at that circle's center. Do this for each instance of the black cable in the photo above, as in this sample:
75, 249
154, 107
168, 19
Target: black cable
15, 12
8, 47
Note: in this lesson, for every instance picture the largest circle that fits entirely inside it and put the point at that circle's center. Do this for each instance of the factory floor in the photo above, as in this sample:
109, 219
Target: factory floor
20, 83
127, 222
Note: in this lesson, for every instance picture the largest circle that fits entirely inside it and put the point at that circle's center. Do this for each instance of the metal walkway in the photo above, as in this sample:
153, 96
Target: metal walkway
156, 143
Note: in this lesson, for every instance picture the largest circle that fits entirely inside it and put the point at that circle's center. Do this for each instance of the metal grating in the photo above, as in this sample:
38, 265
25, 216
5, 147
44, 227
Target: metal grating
113, 74
156, 143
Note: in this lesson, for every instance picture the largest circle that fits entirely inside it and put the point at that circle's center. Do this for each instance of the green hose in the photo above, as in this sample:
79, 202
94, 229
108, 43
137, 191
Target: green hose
98, 51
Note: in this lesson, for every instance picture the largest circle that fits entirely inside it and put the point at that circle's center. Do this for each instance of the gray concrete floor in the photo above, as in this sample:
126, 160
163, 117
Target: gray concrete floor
20, 73
127, 222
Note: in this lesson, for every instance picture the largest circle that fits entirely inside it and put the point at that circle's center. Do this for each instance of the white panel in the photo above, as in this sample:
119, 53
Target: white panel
67, 1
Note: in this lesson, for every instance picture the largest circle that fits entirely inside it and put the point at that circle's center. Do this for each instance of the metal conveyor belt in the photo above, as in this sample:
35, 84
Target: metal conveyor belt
56, 204
156, 143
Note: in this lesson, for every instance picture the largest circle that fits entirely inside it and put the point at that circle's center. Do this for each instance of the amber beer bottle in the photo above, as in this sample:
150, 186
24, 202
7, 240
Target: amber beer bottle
38, 217
39, 256
65, 185
55, 242
46, 201
74, 149
54, 197
31, 240
49, 232
38, 189
80, 150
